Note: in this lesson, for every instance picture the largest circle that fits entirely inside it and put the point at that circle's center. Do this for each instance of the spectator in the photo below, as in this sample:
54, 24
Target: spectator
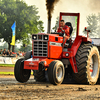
20, 54
8, 53
1, 52
4, 53
23, 53
4, 49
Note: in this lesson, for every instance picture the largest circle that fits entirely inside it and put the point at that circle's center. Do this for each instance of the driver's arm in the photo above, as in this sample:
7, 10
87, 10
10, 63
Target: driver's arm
59, 30
66, 30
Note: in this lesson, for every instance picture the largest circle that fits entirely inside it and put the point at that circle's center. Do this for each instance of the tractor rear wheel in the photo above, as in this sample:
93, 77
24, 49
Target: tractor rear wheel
39, 75
22, 75
87, 60
56, 72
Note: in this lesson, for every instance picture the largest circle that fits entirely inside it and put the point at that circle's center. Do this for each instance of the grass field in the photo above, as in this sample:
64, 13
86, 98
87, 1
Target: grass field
10, 73
6, 73
7, 65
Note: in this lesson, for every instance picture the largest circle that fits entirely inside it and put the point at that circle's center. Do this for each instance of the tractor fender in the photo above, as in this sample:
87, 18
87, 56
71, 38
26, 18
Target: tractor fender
78, 41
86, 40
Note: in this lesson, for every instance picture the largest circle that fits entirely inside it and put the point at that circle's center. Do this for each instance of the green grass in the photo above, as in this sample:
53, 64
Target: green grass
10, 73
6, 73
7, 65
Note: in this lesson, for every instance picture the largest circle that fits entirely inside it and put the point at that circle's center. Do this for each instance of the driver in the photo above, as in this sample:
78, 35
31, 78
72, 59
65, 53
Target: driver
63, 28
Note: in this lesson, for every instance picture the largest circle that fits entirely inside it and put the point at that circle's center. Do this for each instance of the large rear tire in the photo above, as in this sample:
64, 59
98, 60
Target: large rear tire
39, 75
22, 75
87, 60
56, 72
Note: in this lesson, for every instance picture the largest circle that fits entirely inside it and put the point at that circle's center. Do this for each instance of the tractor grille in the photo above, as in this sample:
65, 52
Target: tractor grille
40, 48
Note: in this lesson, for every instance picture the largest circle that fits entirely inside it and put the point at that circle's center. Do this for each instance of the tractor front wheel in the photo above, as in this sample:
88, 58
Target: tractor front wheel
22, 75
56, 72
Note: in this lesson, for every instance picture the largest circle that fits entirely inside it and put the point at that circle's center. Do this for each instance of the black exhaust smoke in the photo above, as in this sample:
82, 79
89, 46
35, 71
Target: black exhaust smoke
50, 7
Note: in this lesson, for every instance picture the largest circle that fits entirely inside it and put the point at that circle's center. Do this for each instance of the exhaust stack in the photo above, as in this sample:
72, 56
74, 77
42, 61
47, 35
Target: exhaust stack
49, 26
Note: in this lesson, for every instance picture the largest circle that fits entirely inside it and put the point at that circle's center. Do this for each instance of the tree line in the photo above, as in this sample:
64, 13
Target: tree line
26, 17
93, 22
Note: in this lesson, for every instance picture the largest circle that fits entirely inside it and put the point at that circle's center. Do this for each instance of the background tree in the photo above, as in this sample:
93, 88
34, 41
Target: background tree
98, 28
93, 25
27, 20
4, 46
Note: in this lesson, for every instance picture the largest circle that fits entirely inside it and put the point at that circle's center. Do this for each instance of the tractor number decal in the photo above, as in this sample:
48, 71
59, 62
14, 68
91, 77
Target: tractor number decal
55, 44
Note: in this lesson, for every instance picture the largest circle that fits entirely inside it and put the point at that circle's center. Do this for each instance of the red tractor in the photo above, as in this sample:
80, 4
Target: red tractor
53, 53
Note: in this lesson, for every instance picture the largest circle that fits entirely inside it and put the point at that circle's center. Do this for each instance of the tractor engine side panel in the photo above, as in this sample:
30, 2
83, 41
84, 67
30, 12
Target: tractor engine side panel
55, 47
55, 52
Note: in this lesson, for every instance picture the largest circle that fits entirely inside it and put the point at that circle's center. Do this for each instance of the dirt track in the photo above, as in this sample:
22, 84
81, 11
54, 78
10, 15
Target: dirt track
10, 89
6, 69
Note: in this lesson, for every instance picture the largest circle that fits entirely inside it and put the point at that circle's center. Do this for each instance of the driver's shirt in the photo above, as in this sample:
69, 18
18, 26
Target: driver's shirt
66, 30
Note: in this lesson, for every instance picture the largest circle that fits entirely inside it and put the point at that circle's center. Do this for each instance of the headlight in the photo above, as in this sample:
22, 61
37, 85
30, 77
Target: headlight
45, 37
34, 37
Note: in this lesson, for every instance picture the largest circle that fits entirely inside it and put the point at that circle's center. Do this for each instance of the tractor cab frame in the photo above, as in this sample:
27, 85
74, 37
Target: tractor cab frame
77, 15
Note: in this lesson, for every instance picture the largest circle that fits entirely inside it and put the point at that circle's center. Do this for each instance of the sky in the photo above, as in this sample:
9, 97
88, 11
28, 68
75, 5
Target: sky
84, 7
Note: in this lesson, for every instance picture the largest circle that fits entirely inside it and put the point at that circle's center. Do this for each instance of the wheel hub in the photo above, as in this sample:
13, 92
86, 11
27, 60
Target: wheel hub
59, 73
93, 66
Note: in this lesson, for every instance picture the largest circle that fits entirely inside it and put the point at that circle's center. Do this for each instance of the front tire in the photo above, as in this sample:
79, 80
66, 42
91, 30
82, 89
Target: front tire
39, 75
56, 72
87, 60
22, 75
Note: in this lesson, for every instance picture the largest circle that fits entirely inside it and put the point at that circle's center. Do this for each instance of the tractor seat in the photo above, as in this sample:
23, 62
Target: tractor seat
69, 25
